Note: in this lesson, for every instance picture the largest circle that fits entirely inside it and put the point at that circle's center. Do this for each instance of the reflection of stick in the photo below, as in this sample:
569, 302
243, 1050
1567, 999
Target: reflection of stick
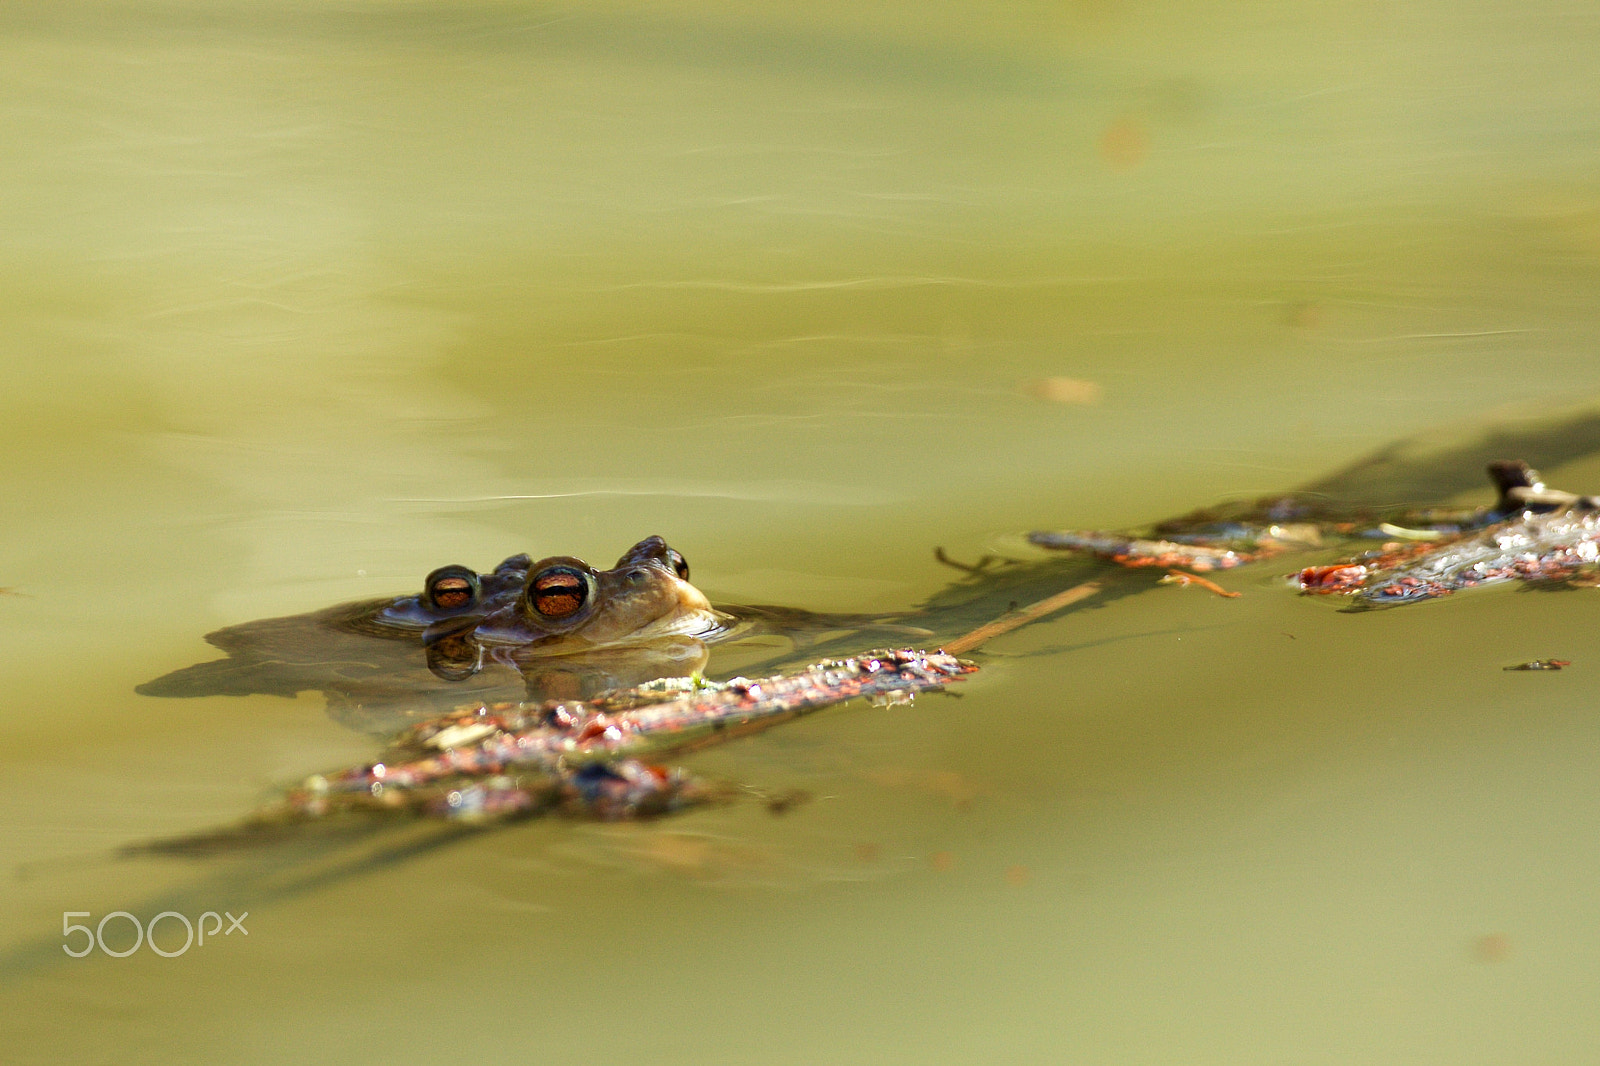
1006, 623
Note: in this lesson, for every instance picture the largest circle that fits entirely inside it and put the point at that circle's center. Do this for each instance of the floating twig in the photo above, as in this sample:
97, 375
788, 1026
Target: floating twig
1034, 611
1541, 664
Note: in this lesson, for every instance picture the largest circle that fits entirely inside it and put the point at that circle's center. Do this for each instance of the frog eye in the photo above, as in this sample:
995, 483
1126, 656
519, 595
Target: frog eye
558, 592
680, 565
451, 588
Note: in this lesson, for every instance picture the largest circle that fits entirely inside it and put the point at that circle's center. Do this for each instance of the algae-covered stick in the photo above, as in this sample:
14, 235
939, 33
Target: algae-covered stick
485, 763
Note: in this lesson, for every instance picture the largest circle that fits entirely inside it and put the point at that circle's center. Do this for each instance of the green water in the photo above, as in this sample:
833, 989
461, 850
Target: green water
303, 300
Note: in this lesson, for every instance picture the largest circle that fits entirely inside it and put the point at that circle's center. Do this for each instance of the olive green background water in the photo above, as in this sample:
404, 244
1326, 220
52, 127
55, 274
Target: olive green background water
301, 300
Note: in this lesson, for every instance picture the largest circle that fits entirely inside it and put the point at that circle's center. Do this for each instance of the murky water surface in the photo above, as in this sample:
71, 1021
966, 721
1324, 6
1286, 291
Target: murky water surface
303, 300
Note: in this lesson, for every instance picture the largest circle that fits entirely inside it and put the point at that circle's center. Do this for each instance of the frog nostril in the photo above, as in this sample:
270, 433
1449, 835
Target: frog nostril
636, 577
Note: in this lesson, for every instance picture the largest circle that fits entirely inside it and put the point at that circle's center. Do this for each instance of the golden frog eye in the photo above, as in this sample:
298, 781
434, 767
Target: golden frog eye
680, 565
558, 592
451, 588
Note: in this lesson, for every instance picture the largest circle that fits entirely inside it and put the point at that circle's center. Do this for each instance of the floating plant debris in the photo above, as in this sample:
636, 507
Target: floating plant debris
1559, 547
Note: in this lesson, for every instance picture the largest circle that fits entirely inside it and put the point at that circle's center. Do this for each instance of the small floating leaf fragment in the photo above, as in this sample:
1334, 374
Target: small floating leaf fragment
1389, 529
1541, 664
1124, 144
1064, 390
1492, 947
460, 735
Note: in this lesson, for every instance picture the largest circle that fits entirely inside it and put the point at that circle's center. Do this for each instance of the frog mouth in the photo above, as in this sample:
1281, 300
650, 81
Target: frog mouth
700, 623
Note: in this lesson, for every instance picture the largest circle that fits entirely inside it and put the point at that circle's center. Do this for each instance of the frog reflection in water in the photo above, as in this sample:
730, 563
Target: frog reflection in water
554, 629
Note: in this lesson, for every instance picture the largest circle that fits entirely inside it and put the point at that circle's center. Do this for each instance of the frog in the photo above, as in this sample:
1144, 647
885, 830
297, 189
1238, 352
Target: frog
558, 604
555, 628
513, 631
